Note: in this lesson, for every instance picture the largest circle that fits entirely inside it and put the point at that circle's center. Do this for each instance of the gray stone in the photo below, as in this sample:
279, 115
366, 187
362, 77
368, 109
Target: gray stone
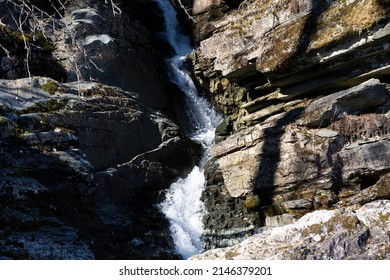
52, 243
330, 108
379, 190
263, 114
297, 204
327, 133
23, 93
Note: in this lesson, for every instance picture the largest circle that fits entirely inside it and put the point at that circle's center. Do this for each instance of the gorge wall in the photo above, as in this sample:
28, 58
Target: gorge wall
303, 85
91, 131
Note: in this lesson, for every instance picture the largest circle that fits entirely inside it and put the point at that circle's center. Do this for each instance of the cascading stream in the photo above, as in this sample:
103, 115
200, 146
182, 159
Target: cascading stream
182, 205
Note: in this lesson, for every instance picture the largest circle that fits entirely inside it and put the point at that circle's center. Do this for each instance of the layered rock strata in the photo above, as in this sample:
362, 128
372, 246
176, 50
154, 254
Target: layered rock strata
304, 89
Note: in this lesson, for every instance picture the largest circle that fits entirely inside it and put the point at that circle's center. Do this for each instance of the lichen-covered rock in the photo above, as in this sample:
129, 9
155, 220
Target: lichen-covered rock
304, 89
286, 46
293, 168
322, 111
89, 41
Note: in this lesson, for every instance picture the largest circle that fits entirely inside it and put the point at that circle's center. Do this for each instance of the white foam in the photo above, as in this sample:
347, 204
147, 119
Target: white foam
182, 205
103, 38
184, 209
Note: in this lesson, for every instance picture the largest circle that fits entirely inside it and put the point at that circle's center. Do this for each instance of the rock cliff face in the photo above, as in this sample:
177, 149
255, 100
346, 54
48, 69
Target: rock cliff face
90, 137
304, 88
87, 150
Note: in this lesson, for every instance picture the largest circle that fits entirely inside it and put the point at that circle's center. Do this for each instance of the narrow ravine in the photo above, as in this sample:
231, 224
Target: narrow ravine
182, 205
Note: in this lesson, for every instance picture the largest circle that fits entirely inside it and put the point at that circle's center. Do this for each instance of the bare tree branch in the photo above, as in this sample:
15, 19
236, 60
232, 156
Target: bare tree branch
186, 11
115, 9
30, 21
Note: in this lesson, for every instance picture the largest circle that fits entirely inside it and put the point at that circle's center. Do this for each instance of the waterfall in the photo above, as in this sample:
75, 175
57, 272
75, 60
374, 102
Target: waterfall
182, 205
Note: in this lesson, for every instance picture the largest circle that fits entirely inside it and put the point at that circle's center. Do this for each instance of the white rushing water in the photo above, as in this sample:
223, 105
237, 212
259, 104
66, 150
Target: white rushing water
182, 205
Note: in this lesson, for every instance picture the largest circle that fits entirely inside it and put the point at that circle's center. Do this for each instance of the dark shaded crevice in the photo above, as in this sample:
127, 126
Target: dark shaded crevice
337, 175
368, 181
234, 4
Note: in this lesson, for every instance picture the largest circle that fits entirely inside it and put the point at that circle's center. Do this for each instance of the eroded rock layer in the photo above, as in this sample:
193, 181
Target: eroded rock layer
304, 89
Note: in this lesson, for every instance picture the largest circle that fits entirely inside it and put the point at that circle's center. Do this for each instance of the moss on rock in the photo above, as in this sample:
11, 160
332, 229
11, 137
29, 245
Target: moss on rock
50, 87
50, 105
252, 201
3, 121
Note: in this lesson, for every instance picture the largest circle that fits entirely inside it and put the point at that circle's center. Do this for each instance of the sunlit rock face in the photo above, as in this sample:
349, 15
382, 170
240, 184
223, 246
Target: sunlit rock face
303, 86
343, 233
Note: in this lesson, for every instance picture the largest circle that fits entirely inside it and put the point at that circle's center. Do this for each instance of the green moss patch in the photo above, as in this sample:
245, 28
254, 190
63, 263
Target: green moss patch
50, 105
345, 18
21, 38
3, 121
50, 87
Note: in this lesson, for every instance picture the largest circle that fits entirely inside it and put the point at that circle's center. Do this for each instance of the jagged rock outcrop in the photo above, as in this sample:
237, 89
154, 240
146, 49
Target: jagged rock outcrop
73, 170
279, 50
88, 142
304, 89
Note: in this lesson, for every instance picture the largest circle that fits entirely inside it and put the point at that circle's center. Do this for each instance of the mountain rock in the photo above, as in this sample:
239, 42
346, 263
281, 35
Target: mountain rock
344, 233
71, 157
304, 88
89, 138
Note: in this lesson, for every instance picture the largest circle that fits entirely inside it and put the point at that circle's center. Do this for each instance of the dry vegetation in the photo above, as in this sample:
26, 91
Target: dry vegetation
362, 127
35, 19
344, 18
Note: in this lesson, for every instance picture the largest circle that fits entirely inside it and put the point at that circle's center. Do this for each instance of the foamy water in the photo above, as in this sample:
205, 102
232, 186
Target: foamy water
184, 209
182, 205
